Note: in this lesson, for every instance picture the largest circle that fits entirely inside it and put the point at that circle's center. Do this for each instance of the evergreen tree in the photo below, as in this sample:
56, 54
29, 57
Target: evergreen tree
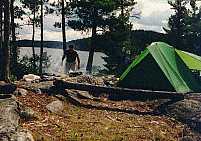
185, 26
63, 8
122, 51
193, 29
14, 55
176, 23
1, 39
33, 6
42, 44
6, 49
63, 24
16, 12
1, 24
91, 14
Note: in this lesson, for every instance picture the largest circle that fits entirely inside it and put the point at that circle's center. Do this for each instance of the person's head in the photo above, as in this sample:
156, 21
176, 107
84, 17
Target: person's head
71, 47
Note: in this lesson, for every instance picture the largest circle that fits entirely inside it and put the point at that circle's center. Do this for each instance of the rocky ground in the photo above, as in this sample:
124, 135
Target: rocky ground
31, 113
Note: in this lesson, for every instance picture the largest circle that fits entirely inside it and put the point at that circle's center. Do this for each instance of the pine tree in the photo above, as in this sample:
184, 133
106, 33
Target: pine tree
1, 39
33, 6
185, 26
92, 15
1, 24
63, 24
13, 52
176, 23
41, 47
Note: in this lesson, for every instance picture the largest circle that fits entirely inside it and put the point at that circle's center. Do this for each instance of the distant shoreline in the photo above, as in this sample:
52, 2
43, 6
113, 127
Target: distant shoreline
79, 44
140, 39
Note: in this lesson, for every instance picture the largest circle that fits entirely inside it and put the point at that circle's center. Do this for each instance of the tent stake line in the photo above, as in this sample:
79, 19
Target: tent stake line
119, 93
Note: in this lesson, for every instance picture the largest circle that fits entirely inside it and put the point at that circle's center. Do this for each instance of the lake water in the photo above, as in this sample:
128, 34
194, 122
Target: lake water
56, 57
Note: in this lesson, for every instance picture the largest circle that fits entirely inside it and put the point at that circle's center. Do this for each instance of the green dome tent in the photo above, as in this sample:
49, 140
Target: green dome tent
192, 61
162, 67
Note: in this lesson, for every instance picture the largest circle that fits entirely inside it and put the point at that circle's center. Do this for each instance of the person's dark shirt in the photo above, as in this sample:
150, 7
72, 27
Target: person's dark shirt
70, 56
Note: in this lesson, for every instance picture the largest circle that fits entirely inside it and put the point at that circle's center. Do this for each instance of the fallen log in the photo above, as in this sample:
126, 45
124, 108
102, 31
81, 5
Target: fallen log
77, 102
119, 93
7, 88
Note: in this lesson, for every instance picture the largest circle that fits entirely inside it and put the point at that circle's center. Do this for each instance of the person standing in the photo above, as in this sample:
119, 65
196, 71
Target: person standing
71, 56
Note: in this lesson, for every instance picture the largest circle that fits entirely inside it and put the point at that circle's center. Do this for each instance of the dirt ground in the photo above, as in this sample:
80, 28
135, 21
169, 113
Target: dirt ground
78, 123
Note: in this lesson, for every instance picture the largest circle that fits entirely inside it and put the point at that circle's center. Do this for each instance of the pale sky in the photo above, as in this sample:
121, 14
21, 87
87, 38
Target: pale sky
154, 16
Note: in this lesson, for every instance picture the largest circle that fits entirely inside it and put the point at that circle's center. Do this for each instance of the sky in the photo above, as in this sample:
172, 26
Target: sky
154, 16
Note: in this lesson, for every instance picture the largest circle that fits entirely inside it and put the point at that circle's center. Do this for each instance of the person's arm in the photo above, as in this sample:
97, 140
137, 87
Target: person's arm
63, 57
78, 61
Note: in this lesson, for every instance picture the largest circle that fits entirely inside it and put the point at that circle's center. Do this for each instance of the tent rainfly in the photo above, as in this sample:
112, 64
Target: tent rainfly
163, 68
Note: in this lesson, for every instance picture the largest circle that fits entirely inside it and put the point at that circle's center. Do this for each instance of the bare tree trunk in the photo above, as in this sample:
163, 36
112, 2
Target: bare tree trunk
93, 39
1, 39
14, 47
63, 25
41, 47
33, 37
1, 24
91, 51
122, 8
6, 56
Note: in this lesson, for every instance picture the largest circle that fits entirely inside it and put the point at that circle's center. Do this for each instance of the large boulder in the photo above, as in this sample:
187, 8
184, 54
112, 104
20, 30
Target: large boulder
9, 117
20, 92
55, 106
31, 78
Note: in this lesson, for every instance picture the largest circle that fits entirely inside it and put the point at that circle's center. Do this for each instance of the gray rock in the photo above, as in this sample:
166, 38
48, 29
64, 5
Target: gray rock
9, 122
38, 91
27, 114
20, 92
55, 106
185, 109
188, 111
31, 78
9, 118
22, 135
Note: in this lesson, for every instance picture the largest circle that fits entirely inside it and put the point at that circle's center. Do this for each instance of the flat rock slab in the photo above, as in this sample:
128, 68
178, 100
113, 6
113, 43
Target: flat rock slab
7, 88
41, 87
188, 111
9, 122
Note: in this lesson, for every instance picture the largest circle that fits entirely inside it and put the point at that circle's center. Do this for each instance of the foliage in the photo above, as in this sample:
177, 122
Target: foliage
91, 13
25, 66
33, 6
118, 54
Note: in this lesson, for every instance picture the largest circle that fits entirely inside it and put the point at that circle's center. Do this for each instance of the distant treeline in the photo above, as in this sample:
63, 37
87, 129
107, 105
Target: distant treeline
139, 38
80, 44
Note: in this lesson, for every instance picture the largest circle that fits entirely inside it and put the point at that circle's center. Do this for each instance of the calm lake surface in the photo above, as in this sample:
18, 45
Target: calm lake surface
56, 57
